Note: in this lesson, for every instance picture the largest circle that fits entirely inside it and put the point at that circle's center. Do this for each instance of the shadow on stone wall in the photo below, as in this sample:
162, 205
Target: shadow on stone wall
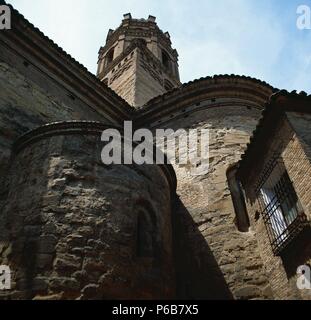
298, 253
29, 254
198, 275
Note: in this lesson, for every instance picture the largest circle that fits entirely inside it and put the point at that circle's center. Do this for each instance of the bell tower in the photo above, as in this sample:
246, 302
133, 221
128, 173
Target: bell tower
138, 61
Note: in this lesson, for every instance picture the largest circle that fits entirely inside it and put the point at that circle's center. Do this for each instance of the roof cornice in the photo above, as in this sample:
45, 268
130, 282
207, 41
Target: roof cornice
274, 111
218, 86
130, 27
81, 128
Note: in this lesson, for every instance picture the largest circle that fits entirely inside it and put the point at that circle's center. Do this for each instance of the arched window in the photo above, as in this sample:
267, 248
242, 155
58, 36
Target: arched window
146, 233
109, 56
165, 60
237, 195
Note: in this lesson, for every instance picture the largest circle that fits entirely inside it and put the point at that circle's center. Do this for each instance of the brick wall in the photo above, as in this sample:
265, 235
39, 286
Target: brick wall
122, 77
281, 270
136, 78
213, 259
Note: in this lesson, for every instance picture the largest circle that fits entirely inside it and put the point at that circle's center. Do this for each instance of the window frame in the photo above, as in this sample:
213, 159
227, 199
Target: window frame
281, 231
109, 58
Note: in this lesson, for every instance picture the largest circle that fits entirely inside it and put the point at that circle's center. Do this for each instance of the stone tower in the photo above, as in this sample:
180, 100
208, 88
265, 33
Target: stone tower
138, 61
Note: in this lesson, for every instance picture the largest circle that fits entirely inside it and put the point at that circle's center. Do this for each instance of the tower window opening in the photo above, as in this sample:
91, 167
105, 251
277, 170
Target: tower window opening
109, 56
165, 60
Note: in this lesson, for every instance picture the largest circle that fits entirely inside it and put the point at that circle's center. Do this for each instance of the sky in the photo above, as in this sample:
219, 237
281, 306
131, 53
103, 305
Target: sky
244, 37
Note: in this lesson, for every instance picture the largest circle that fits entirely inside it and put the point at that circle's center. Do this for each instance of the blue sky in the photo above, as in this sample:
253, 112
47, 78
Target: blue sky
245, 37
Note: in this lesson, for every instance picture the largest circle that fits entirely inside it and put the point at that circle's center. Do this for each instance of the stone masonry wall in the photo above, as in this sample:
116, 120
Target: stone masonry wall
24, 105
213, 259
69, 227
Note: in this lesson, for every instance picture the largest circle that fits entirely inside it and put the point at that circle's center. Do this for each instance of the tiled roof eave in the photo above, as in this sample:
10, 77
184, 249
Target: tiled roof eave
279, 103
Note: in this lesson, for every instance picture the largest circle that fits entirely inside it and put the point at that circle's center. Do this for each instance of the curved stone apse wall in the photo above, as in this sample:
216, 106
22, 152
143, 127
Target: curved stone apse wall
214, 259
30, 98
78, 229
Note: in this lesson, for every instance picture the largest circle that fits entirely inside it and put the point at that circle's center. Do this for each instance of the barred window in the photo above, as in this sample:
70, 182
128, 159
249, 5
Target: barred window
281, 209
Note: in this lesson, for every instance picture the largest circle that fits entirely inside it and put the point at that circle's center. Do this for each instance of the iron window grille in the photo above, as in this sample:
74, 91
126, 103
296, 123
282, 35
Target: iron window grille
282, 212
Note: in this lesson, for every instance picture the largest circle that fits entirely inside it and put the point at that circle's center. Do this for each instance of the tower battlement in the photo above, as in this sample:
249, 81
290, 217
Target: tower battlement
138, 61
